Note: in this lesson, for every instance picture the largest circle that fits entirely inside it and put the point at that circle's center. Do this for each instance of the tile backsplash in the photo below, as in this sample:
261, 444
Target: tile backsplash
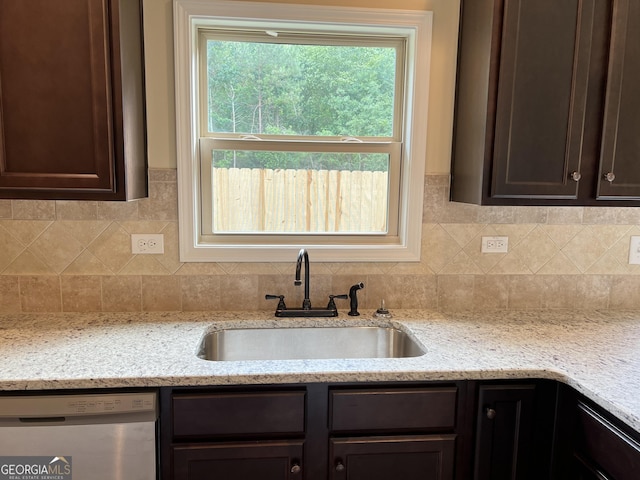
75, 256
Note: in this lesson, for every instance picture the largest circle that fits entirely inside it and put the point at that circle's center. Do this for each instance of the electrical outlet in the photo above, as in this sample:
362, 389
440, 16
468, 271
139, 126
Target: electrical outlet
634, 250
495, 244
147, 243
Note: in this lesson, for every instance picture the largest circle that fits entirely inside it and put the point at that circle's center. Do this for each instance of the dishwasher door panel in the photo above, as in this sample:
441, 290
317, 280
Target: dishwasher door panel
110, 436
121, 451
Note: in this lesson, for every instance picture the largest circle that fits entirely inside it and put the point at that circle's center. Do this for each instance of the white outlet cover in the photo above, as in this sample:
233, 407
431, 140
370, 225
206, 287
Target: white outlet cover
147, 243
634, 250
495, 244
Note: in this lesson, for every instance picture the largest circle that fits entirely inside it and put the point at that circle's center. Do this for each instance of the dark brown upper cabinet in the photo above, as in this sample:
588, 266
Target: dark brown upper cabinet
72, 119
548, 103
620, 155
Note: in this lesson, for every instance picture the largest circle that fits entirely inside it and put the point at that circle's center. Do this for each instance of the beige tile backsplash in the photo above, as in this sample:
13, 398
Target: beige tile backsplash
76, 257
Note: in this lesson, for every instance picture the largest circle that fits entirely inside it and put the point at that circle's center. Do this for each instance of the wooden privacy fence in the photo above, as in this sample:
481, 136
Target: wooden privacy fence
295, 201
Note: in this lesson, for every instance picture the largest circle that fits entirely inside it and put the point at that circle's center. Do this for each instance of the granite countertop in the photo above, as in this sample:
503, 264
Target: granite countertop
597, 353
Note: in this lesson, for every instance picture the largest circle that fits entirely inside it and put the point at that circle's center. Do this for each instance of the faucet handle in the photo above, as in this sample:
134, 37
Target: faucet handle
332, 304
281, 305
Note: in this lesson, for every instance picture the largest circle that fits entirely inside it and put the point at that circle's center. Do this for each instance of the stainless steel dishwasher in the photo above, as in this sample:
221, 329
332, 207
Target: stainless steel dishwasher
79, 437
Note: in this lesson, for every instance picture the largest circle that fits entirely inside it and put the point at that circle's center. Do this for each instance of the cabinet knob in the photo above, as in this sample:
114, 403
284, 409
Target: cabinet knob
610, 177
491, 413
576, 176
295, 468
339, 466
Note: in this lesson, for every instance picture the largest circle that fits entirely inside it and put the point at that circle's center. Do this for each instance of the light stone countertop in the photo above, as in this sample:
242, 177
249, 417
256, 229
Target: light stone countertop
597, 353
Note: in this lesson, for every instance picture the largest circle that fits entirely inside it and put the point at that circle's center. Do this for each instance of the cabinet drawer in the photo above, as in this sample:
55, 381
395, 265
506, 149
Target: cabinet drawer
606, 445
393, 409
229, 414
266, 460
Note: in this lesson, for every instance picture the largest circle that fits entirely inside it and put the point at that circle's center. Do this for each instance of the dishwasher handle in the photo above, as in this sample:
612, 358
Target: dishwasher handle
42, 419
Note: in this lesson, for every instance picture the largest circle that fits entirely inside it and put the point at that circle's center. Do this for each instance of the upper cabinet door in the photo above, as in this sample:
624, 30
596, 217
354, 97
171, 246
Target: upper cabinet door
620, 156
528, 100
71, 100
548, 103
542, 98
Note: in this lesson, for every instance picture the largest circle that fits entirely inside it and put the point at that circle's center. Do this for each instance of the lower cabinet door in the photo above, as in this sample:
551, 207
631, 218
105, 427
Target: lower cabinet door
585, 471
504, 433
604, 447
415, 457
269, 460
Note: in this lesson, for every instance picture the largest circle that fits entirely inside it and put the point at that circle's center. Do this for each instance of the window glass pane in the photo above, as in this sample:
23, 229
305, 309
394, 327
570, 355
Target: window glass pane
299, 89
299, 192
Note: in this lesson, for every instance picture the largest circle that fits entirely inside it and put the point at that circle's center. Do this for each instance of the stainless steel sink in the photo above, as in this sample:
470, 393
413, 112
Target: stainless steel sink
307, 343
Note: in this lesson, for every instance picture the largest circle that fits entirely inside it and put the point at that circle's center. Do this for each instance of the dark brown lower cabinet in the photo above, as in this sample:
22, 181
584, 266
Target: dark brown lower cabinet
507, 430
406, 431
423, 457
229, 434
591, 444
515, 430
602, 448
268, 460
503, 438
584, 471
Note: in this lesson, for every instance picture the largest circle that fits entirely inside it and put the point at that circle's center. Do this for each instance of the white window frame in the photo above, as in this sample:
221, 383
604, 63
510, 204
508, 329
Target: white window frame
416, 26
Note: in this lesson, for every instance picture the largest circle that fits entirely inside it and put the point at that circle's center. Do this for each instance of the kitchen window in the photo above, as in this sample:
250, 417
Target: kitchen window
299, 127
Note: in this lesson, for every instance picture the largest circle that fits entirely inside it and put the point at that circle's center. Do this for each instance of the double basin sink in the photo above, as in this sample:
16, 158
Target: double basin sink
302, 343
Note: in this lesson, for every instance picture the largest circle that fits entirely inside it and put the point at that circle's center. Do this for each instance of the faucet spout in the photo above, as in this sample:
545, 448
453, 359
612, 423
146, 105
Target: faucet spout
306, 310
303, 255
